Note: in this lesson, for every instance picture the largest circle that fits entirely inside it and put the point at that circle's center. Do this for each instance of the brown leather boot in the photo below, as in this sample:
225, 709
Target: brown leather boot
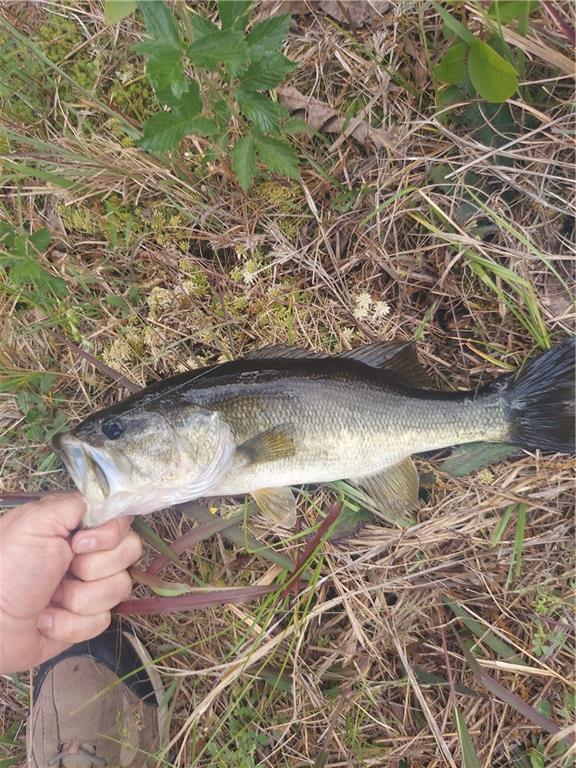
97, 705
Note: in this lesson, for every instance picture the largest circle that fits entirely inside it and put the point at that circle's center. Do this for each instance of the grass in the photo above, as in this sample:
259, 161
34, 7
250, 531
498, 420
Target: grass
448, 642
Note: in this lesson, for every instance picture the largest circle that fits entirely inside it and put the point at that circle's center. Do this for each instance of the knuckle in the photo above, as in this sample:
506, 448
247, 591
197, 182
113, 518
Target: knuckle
124, 586
82, 567
73, 597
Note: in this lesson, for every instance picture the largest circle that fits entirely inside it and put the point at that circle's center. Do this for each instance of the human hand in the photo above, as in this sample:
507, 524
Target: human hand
56, 587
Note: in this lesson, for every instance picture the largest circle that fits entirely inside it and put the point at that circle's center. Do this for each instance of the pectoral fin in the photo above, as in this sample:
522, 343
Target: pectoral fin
273, 444
278, 504
395, 488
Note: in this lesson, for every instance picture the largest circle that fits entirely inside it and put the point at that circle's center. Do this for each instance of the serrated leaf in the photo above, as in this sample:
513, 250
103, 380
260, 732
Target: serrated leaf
202, 126
116, 10
234, 13
260, 110
492, 76
244, 161
41, 239
278, 156
349, 521
164, 131
164, 68
221, 112
267, 72
295, 125
159, 22
267, 36
190, 103
201, 26
228, 48
452, 66
468, 459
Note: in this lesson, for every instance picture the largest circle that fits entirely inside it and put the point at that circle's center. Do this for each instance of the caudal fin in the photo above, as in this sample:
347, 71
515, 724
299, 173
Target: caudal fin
541, 401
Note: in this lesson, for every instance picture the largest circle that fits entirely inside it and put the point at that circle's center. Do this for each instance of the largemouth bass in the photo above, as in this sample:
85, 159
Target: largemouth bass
288, 417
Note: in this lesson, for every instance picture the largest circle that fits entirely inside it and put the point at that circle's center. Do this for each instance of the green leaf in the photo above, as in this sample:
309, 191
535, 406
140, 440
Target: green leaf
268, 36
260, 111
202, 126
506, 11
190, 103
278, 156
234, 13
493, 77
41, 239
164, 68
267, 72
469, 756
452, 66
349, 521
228, 48
116, 10
244, 161
221, 112
453, 24
164, 131
295, 125
160, 22
468, 459
202, 26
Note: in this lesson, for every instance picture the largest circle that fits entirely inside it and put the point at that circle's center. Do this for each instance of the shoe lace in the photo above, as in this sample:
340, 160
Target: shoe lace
79, 749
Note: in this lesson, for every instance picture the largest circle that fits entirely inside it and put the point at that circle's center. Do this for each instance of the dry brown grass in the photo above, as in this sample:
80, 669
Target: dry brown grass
219, 273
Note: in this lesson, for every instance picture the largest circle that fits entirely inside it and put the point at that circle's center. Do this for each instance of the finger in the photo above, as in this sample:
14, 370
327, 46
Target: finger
57, 514
67, 627
103, 537
99, 565
88, 597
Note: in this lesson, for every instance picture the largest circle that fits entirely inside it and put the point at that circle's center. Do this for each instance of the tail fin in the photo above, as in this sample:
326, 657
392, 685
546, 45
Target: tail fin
541, 401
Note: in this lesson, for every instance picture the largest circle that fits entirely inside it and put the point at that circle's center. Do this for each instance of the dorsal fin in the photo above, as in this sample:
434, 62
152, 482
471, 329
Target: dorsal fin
397, 356
284, 351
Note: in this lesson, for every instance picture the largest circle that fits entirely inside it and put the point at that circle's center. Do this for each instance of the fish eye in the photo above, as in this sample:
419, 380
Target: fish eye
113, 429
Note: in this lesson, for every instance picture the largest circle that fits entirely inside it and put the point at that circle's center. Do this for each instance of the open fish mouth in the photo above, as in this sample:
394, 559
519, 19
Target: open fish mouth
86, 465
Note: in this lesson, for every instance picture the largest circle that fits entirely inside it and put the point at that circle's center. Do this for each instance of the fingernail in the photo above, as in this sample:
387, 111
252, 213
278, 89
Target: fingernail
84, 544
45, 622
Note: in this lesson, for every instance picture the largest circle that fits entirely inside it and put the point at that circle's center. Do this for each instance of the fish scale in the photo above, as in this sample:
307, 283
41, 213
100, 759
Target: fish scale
288, 417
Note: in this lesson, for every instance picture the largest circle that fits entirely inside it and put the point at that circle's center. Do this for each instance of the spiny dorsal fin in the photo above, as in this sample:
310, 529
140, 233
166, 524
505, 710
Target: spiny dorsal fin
277, 504
397, 356
395, 488
271, 445
284, 351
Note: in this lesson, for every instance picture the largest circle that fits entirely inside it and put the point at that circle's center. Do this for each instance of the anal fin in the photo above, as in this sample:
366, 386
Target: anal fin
394, 488
277, 504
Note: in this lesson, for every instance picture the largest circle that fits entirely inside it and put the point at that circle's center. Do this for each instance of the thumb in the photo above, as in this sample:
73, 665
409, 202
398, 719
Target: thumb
57, 514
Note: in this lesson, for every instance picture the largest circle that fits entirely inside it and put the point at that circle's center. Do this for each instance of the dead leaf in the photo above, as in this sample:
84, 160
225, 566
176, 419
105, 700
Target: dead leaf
356, 14
322, 117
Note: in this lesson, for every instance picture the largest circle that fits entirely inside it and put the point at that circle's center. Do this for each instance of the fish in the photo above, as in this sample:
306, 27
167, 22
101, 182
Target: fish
285, 416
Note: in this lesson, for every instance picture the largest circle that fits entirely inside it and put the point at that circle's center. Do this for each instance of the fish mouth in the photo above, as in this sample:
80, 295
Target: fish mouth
87, 465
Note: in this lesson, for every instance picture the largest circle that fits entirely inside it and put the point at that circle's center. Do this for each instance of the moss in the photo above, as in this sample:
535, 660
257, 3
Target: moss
286, 198
59, 37
114, 215
85, 218
131, 92
126, 348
